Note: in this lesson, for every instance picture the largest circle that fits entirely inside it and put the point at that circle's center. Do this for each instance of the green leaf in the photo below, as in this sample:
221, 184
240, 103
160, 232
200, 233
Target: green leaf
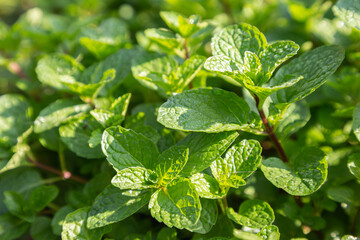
253, 213
274, 55
105, 39
165, 38
95, 138
59, 218
170, 164
74, 227
18, 159
349, 237
120, 105
54, 69
40, 229
270, 232
176, 205
57, 113
233, 41
208, 217
114, 205
76, 134
121, 147
304, 175
106, 118
14, 118
204, 148
342, 194
133, 178
354, 164
206, 186
348, 11
12, 227
315, 66
205, 110
20, 180
42, 196
178, 23
244, 158
18, 206
356, 121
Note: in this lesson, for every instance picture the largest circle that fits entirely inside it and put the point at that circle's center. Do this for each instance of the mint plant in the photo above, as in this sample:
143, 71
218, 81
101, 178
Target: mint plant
180, 120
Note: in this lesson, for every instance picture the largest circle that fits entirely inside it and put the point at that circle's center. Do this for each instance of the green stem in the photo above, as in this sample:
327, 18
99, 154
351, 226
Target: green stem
223, 204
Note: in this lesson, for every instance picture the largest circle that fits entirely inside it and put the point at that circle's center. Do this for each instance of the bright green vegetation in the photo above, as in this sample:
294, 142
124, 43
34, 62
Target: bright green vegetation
166, 120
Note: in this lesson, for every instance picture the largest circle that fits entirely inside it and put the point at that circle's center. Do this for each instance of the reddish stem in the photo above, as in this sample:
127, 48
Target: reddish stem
271, 133
65, 175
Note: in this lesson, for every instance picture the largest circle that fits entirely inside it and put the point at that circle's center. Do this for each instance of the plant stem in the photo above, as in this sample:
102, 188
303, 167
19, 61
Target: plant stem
187, 55
64, 175
271, 133
15, 68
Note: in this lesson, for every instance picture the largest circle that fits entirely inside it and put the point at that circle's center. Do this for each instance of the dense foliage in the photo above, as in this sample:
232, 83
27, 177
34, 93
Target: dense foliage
179, 119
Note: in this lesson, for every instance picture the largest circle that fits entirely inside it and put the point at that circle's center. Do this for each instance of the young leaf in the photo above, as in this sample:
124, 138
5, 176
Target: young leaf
57, 113
354, 164
233, 41
121, 147
270, 232
208, 217
166, 39
244, 157
356, 121
76, 134
114, 205
205, 110
74, 227
253, 213
315, 66
348, 11
133, 178
14, 118
18, 206
41, 196
204, 148
106, 118
304, 175
176, 205
120, 105
170, 164
206, 186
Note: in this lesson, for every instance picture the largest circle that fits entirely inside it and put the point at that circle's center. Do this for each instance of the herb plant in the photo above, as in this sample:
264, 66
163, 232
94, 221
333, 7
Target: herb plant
180, 120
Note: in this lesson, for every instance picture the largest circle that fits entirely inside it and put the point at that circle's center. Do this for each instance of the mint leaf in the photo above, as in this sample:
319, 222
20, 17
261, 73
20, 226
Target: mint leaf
12, 227
74, 227
14, 118
167, 234
356, 121
105, 39
18, 159
170, 164
274, 55
208, 217
348, 11
167, 40
270, 232
76, 134
41, 196
354, 164
120, 105
206, 186
204, 148
106, 118
178, 23
176, 205
133, 178
18, 206
304, 175
233, 41
121, 147
253, 213
205, 110
243, 158
114, 205
55, 69
341, 194
315, 66
59, 218
57, 113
